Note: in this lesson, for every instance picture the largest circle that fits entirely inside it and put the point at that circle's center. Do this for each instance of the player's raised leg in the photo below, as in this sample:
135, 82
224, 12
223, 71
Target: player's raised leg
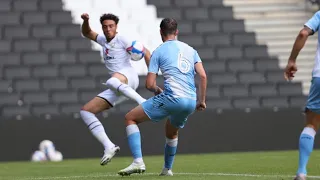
88, 114
134, 117
118, 83
170, 149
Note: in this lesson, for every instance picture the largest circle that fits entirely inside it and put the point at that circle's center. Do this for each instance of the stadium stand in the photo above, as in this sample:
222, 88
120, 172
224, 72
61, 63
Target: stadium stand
282, 21
48, 68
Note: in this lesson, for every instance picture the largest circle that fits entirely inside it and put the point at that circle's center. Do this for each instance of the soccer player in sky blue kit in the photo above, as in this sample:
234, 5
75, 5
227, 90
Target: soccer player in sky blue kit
178, 63
312, 109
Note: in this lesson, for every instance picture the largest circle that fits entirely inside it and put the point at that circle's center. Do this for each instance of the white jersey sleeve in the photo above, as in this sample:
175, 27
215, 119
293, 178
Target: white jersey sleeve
101, 39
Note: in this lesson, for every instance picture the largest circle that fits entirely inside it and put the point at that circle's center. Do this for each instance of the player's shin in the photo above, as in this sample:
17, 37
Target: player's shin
134, 140
96, 129
170, 152
116, 85
306, 142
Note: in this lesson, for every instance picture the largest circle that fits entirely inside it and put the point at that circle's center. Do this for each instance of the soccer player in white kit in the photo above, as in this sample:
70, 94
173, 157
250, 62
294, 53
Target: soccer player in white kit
121, 85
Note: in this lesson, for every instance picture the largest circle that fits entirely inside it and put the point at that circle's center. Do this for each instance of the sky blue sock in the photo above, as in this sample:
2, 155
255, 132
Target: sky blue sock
169, 154
305, 148
134, 140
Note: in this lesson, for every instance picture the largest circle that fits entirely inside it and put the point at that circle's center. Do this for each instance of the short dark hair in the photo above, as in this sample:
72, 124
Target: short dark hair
109, 17
168, 26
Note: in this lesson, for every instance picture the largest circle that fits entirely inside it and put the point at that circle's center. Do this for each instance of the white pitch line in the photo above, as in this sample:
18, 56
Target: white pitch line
182, 173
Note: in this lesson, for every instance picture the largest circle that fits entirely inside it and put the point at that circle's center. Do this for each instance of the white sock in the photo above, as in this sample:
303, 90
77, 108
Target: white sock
96, 129
116, 85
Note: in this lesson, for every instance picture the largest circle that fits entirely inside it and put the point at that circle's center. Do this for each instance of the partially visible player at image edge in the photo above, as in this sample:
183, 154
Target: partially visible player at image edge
178, 63
312, 109
121, 85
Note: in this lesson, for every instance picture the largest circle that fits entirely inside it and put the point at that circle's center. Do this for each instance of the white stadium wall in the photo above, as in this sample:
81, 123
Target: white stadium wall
137, 20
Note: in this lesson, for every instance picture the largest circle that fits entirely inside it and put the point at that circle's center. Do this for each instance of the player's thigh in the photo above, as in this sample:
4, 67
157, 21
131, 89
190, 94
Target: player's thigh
121, 77
136, 116
105, 100
96, 105
171, 131
128, 76
155, 108
313, 104
180, 111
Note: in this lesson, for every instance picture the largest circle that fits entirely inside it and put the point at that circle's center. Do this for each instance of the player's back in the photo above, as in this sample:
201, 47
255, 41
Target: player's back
176, 61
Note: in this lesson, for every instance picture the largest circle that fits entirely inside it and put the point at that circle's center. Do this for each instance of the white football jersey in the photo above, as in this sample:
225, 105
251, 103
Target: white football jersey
115, 53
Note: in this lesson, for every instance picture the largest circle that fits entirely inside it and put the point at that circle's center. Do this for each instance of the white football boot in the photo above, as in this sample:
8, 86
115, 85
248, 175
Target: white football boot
133, 168
166, 172
300, 177
108, 155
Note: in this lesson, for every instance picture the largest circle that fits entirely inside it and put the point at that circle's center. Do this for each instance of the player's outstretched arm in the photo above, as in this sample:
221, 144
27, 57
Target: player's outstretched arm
299, 43
86, 30
147, 56
202, 87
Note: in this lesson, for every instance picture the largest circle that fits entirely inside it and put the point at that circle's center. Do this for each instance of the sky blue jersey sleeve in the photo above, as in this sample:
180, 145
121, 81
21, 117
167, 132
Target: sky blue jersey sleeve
154, 63
196, 57
314, 22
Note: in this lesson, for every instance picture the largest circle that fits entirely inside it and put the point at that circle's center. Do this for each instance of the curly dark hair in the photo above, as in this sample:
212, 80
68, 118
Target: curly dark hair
109, 17
168, 26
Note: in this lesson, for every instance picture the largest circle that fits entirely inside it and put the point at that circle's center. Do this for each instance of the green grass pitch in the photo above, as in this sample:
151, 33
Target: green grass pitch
279, 165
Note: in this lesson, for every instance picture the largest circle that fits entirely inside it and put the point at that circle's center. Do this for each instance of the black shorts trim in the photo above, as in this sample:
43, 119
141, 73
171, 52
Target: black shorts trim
105, 100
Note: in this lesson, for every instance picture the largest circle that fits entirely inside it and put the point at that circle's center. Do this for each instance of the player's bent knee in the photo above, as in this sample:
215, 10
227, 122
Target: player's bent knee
313, 119
172, 135
113, 83
129, 119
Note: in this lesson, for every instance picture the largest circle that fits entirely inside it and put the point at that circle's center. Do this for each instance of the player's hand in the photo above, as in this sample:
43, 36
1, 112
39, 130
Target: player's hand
85, 16
290, 70
201, 106
158, 91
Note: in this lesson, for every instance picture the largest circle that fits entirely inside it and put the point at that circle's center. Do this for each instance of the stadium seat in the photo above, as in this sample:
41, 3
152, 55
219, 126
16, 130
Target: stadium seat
63, 57
9, 59
65, 97
45, 71
263, 90
274, 102
54, 84
17, 31
12, 111
224, 78
251, 77
44, 109
5, 5
4, 85
83, 83
53, 5
33, 18
235, 91
73, 70
35, 58
27, 85
9, 99
244, 103
44, 31
12, 72
36, 98
26, 45
237, 64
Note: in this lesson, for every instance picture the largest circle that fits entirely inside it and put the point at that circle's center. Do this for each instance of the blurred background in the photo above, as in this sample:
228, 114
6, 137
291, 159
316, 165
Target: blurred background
48, 71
